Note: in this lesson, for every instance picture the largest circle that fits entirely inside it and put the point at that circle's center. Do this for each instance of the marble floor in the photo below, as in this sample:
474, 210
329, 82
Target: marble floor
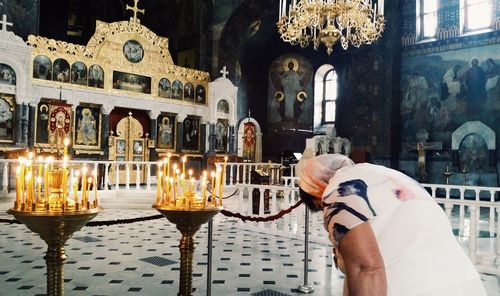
142, 259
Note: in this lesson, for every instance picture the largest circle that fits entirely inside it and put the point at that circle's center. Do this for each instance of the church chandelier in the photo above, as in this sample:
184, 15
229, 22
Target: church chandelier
354, 22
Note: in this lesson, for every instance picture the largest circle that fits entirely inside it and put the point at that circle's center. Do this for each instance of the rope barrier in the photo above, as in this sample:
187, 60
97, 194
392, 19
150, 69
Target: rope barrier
226, 213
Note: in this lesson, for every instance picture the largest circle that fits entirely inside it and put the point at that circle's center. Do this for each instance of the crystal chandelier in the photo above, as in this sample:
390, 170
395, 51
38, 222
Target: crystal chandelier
326, 21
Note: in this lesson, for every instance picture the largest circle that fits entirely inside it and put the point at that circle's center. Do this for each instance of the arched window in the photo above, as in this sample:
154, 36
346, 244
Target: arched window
476, 14
325, 96
427, 20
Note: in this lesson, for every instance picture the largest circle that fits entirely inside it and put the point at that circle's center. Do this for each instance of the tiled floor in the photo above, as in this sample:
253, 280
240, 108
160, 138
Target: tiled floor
143, 259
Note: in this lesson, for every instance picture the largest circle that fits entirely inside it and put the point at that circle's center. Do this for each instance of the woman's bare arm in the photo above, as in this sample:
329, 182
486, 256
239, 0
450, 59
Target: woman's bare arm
364, 265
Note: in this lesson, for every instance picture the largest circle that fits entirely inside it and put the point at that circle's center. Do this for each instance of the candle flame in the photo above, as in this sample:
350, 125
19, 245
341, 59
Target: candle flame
184, 158
40, 159
89, 179
190, 173
39, 179
77, 173
66, 142
212, 174
168, 155
84, 170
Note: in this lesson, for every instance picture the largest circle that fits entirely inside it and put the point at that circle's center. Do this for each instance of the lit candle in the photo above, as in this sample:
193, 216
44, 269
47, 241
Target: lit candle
190, 174
18, 183
89, 182
66, 143
65, 178
218, 184
84, 187
204, 185
39, 183
213, 188
168, 165
28, 188
46, 182
164, 173
172, 184
95, 188
184, 158
21, 179
183, 184
168, 190
158, 182
191, 189
40, 161
75, 186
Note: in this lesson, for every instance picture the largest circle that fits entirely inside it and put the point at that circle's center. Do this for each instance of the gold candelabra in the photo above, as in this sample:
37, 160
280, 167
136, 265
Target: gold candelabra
353, 22
181, 205
53, 213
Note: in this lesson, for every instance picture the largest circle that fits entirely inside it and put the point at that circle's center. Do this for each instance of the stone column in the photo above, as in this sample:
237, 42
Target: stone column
179, 132
232, 140
32, 124
19, 125
212, 139
153, 117
24, 122
105, 110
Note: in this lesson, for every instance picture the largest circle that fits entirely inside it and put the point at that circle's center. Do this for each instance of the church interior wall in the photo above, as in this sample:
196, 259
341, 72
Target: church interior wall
441, 90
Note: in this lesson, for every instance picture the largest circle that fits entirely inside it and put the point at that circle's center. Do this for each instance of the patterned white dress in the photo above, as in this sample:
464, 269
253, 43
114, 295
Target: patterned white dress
420, 253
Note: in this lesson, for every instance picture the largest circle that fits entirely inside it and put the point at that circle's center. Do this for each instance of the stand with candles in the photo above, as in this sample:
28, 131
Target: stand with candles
53, 213
181, 205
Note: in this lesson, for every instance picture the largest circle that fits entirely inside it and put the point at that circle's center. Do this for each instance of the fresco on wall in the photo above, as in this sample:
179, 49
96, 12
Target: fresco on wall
442, 91
290, 97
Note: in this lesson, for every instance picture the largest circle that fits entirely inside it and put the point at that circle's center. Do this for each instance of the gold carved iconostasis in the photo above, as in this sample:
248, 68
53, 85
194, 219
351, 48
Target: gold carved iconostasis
121, 59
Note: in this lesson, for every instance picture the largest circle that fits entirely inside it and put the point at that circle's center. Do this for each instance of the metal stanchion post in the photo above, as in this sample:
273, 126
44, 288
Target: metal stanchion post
209, 257
306, 288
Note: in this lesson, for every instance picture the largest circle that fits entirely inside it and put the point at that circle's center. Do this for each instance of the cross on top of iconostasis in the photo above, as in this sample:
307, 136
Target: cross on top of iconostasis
136, 10
4, 23
224, 72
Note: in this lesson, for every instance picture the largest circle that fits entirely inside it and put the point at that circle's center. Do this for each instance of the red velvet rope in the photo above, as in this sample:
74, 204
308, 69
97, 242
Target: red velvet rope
226, 213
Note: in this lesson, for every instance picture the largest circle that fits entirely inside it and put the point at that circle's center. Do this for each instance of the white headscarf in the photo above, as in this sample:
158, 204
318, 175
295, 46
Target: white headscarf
315, 173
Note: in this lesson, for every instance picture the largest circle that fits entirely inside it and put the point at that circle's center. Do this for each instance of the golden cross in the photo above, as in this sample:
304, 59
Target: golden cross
135, 9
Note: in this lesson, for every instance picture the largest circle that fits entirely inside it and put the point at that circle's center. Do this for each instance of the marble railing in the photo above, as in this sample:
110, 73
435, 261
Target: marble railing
474, 212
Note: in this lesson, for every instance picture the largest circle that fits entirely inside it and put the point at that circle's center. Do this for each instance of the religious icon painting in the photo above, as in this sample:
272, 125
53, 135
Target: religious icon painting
177, 90
60, 70
87, 127
133, 51
164, 88
249, 141
200, 95
188, 92
7, 75
221, 131
7, 111
96, 76
166, 131
191, 134
42, 68
79, 73
137, 147
131, 82
223, 107
42, 123
59, 124
120, 147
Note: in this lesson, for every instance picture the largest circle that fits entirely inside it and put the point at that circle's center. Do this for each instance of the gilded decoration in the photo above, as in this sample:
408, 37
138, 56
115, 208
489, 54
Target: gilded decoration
124, 46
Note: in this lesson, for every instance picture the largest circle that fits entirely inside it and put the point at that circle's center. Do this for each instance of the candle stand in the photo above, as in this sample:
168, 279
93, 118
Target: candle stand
55, 229
188, 222
56, 212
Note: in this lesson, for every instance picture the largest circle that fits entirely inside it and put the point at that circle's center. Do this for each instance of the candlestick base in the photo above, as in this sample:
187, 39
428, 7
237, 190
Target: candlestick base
55, 228
188, 222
